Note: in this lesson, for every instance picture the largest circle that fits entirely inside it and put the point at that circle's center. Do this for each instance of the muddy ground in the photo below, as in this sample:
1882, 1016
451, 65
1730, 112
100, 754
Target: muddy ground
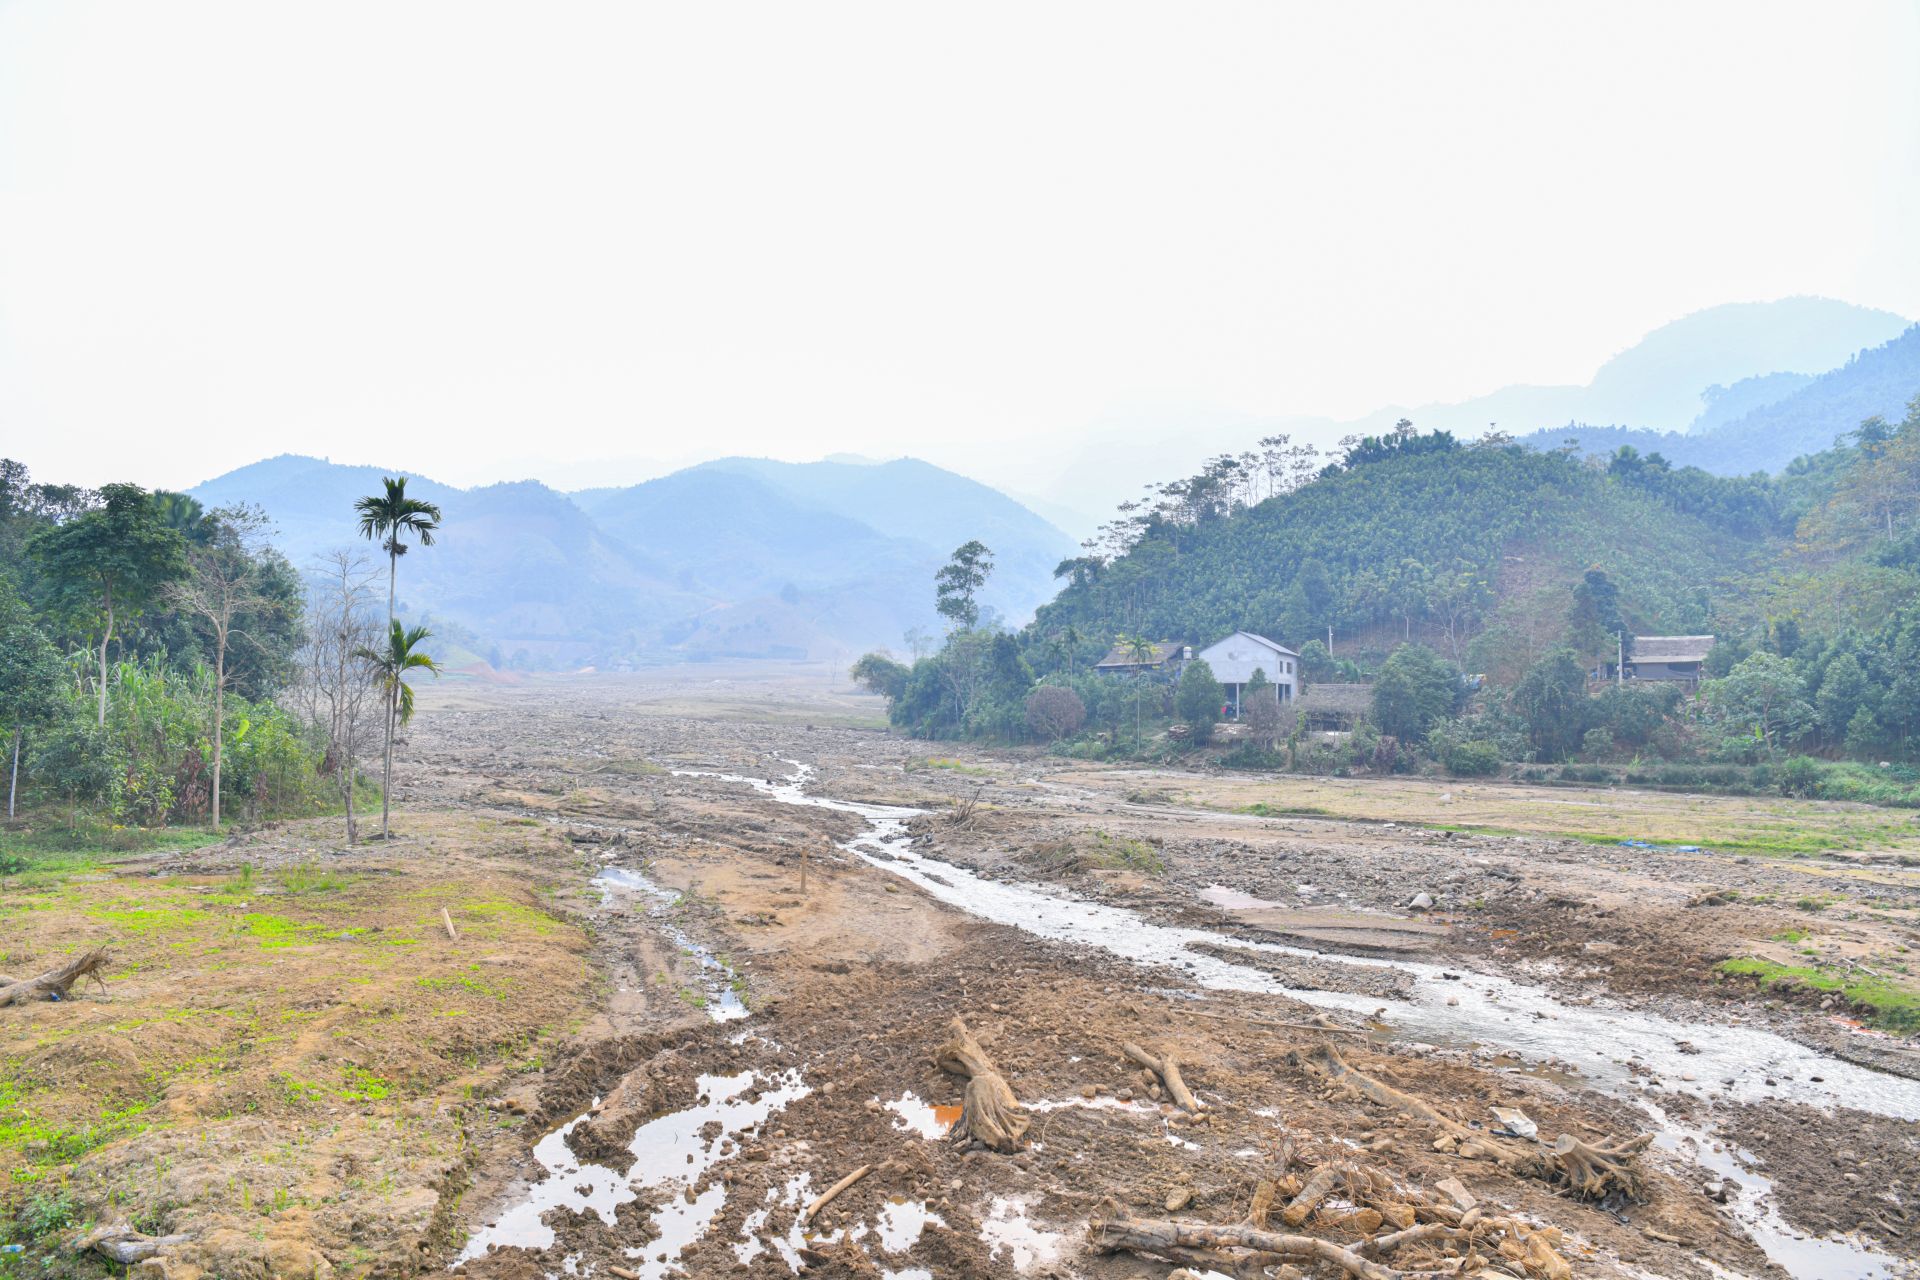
671, 1060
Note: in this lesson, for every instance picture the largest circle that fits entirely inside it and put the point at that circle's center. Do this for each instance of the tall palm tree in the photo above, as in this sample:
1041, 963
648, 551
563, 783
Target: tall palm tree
387, 517
390, 668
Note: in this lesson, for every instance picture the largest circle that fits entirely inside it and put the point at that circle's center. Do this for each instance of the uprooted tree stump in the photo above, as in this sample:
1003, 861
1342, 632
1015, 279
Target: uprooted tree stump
1594, 1171
989, 1113
54, 984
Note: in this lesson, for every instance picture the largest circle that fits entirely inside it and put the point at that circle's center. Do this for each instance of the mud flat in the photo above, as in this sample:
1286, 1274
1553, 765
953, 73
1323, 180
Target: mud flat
773, 919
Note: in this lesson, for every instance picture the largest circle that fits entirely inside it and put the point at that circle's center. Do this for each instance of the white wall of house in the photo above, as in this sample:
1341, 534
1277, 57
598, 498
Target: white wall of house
1235, 659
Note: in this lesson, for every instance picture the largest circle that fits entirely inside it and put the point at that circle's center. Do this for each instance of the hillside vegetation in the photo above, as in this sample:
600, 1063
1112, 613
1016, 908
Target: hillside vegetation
1424, 558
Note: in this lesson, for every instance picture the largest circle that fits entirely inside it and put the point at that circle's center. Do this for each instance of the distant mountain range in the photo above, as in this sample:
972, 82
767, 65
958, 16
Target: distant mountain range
1715, 370
1762, 424
738, 557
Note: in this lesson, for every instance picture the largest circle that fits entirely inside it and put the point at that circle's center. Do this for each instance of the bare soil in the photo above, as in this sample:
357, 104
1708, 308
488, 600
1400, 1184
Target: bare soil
564, 1001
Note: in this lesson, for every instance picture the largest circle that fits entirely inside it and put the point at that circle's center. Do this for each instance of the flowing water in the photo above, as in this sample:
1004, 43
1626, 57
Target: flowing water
1620, 1051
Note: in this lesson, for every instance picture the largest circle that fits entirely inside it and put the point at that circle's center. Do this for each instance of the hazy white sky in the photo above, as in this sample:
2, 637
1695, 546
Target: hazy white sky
487, 241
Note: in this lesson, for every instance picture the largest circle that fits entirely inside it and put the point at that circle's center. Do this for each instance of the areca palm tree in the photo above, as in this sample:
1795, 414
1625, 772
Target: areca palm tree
388, 517
390, 668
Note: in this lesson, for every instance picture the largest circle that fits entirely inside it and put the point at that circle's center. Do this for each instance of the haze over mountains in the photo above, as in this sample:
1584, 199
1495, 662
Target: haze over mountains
1702, 373
752, 557
738, 557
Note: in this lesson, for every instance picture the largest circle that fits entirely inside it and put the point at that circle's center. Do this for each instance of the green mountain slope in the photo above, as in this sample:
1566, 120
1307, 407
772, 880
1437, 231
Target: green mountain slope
1469, 548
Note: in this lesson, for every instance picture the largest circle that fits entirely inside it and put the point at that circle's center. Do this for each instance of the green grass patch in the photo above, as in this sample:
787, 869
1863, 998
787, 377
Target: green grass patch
949, 765
1880, 1002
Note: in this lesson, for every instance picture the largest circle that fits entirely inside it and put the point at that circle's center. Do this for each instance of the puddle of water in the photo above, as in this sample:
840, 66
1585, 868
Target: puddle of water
926, 1119
1234, 900
722, 1000
668, 1153
1007, 1230
902, 1221
1621, 1051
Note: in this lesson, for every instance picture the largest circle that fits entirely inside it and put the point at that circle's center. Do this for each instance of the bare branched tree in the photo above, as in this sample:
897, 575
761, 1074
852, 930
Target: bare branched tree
337, 691
222, 586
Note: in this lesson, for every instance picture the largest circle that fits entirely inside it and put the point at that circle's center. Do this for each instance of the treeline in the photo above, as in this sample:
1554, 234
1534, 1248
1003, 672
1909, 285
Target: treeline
1434, 559
161, 663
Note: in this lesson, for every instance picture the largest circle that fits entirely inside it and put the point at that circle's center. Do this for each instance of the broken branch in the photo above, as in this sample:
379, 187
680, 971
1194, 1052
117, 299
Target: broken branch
1168, 1069
825, 1198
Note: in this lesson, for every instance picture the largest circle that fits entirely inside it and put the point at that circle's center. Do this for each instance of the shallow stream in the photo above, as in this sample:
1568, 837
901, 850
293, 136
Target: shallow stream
1623, 1052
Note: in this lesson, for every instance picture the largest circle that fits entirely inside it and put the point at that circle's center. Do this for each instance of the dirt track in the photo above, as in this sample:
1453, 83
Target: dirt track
748, 1043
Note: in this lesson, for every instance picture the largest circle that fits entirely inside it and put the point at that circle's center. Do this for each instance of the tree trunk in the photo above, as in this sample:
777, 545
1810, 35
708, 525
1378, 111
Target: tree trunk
105, 636
13, 785
386, 773
219, 719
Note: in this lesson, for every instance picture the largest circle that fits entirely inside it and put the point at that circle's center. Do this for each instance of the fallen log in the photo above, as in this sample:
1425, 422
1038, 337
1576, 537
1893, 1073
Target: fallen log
989, 1113
1319, 1187
1115, 1229
826, 1197
55, 983
1167, 1067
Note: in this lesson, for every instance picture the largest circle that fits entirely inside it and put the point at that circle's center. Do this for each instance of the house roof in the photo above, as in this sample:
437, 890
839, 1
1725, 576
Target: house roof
1119, 659
1257, 639
1670, 648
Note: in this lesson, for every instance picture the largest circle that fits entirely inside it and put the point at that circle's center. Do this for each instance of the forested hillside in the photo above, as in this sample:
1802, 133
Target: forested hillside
1424, 537
1477, 595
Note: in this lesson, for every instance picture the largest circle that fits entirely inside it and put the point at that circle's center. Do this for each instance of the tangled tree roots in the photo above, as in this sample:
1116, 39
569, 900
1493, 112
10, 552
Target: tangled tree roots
1593, 1171
55, 983
989, 1113
1247, 1249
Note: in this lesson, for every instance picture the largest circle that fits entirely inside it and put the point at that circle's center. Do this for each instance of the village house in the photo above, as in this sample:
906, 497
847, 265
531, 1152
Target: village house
1668, 659
1235, 659
1162, 658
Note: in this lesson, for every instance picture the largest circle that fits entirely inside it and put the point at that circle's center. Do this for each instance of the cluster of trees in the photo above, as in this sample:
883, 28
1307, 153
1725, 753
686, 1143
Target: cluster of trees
1433, 557
1404, 537
160, 662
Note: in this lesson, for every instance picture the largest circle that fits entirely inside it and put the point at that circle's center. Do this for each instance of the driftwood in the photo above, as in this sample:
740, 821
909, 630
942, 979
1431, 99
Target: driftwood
1167, 1067
989, 1113
55, 983
826, 1197
1248, 1250
1319, 1187
1114, 1229
1590, 1170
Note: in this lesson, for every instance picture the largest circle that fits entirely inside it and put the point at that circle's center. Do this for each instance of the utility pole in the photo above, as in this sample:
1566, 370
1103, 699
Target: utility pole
1620, 659
1329, 639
